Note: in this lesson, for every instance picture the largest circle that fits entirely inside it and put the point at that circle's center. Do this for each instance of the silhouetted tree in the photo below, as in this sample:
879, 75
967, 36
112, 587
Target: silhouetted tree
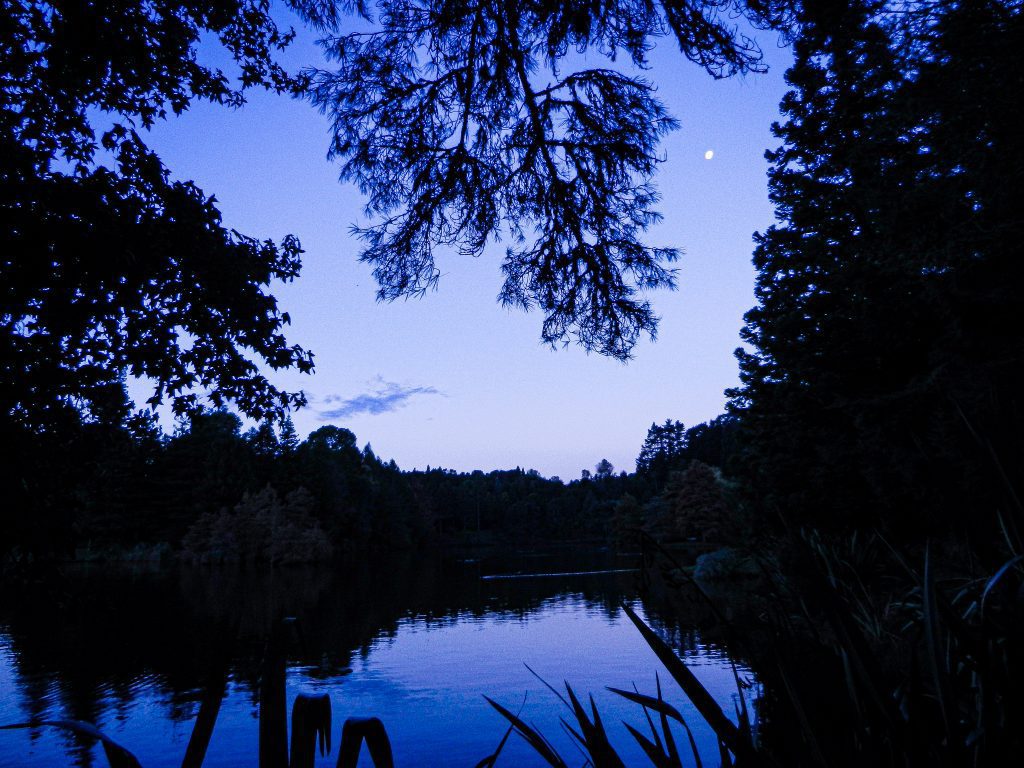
713, 442
885, 330
289, 438
663, 449
110, 267
459, 123
330, 466
260, 528
263, 440
206, 466
697, 504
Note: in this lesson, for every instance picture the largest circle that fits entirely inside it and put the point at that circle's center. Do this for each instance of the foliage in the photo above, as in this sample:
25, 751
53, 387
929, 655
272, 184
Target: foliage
885, 340
111, 267
627, 520
62, 486
736, 741
698, 504
459, 125
112, 488
518, 505
260, 528
663, 448
910, 670
714, 442
881, 661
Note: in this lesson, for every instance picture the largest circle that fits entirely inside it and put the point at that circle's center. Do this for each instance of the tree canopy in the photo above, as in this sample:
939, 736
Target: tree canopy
886, 349
462, 124
456, 119
663, 447
887, 291
110, 267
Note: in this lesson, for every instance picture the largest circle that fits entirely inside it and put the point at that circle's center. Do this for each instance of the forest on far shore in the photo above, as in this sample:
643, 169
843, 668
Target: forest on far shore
879, 377
213, 492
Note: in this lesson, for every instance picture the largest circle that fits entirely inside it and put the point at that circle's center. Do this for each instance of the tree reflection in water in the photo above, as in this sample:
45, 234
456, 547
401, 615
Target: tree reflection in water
88, 647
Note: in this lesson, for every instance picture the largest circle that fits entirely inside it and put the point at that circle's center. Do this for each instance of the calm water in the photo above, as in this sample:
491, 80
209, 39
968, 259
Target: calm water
416, 641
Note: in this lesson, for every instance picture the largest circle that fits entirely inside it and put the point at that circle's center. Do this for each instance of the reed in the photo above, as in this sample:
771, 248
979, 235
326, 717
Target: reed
736, 744
849, 689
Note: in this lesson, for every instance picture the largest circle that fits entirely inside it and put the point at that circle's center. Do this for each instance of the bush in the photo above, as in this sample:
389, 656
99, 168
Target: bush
260, 528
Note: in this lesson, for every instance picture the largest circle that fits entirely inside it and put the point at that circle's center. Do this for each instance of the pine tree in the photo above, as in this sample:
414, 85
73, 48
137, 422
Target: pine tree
289, 438
263, 440
815, 265
663, 450
883, 273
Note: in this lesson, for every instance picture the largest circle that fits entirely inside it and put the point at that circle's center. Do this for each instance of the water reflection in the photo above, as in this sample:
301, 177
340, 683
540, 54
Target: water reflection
414, 640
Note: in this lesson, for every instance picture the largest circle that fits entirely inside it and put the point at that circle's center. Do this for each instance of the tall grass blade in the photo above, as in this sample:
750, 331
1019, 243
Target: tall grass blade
742, 713
273, 725
530, 735
665, 711
658, 705
693, 746
723, 753
705, 703
595, 738
371, 730
548, 686
653, 751
579, 741
850, 643
117, 756
991, 584
940, 671
1009, 486
807, 731
669, 752
650, 723
490, 760
670, 742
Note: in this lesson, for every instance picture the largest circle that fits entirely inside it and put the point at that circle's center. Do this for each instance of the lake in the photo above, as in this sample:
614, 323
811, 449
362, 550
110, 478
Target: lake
417, 641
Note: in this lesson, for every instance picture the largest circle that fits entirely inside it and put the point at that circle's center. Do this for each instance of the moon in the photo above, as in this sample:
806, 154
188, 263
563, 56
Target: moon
709, 154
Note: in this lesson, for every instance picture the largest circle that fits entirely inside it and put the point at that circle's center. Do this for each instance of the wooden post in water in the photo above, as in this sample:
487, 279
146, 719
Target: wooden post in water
273, 706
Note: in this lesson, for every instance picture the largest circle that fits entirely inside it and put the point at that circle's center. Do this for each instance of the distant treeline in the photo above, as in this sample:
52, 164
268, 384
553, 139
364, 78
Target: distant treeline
212, 491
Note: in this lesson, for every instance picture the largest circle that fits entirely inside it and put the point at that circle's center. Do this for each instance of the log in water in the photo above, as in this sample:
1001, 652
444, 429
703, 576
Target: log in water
494, 576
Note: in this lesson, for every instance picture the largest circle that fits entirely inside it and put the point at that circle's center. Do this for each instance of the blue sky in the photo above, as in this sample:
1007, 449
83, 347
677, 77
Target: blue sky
453, 379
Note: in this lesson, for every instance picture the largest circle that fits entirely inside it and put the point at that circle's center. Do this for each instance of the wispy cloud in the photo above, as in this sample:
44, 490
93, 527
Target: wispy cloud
386, 396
